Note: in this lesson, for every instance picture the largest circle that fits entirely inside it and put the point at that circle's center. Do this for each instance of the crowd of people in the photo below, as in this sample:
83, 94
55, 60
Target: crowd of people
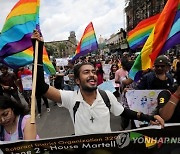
88, 109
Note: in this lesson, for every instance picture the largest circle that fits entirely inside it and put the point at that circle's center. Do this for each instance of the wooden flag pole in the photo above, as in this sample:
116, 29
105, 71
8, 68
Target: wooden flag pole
33, 95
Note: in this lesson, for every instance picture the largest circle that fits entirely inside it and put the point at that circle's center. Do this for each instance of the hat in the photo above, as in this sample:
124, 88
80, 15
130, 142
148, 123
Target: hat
161, 59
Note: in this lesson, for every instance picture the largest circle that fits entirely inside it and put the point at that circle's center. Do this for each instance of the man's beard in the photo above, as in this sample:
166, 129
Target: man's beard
88, 89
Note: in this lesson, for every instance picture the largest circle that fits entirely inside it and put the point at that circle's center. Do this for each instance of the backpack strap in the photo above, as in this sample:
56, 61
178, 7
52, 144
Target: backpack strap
76, 106
105, 98
2, 133
20, 133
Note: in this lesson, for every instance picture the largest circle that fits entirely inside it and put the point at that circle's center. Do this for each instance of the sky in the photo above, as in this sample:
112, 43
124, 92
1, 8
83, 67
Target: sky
59, 17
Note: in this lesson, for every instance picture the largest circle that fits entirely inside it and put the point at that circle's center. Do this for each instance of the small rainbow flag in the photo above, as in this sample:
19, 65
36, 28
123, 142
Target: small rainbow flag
88, 42
164, 35
26, 57
138, 36
15, 38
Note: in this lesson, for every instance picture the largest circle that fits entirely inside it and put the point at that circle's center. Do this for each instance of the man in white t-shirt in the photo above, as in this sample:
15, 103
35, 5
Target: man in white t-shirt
92, 115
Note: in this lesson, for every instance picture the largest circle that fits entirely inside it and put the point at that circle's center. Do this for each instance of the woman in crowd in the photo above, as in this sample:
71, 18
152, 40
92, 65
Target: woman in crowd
15, 121
114, 68
99, 72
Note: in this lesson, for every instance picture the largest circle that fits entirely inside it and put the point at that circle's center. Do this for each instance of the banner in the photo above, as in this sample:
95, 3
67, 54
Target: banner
149, 140
142, 101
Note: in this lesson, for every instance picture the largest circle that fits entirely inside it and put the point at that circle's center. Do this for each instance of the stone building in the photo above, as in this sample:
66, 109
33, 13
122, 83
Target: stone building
63, 48
117, 42
138, 10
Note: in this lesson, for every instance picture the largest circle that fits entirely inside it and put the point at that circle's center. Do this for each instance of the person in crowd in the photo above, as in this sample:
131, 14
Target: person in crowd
15, 121
177, 73
8, 82
169, 105
114, 68
121, 73
70, 84
92, 115
54, 62
59, 78
159, 78
38, 100
26, 93
99, 72
1, 91
175, 61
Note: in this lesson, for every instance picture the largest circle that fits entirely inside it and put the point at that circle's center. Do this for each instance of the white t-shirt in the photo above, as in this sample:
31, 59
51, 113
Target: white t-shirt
98, 111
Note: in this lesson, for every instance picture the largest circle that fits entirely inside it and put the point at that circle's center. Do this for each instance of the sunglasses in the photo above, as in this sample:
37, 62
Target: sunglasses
162, 66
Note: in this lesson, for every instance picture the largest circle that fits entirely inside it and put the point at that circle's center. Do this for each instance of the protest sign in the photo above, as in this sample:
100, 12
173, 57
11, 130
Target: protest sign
106, 69
142, 101
107, 85
27, 81
61, 61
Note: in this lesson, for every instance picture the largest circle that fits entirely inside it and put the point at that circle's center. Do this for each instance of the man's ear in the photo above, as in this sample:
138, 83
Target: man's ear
77, 81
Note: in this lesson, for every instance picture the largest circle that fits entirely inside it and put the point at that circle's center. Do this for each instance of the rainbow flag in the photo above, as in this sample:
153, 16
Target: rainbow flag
15, 37
26, 57
88, 42
174, 35
138, 36
157, 39
19, 25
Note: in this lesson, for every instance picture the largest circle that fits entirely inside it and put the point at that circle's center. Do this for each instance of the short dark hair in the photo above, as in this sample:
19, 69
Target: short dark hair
18, 108
77, 69
4, 67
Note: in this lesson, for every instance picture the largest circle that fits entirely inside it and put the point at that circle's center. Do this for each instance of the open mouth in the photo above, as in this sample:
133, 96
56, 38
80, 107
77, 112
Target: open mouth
92, 81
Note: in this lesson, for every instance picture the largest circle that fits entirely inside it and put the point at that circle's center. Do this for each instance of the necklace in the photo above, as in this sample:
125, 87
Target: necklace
92, 119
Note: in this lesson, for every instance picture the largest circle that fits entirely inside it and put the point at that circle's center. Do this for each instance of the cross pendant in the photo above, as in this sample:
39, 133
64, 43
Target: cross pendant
92, 119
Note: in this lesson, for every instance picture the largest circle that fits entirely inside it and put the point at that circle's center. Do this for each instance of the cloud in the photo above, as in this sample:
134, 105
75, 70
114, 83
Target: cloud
59, 17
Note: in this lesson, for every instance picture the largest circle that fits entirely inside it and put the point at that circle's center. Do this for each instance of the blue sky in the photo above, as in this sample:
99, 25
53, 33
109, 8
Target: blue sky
59, 17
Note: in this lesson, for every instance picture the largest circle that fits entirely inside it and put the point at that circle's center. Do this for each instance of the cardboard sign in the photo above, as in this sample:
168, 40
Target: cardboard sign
27, 81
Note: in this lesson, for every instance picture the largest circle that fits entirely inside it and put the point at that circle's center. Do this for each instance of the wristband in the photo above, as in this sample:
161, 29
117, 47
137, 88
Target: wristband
177, 97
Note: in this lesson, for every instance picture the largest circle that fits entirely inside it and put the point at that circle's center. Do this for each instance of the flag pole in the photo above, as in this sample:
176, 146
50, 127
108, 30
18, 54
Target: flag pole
33, 95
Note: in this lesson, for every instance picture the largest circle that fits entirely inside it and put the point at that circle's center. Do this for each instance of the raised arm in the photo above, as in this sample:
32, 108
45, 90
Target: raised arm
41, 87
167, 103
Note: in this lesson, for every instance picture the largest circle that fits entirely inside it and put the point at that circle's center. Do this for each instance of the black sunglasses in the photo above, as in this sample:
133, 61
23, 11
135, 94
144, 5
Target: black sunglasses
162, 66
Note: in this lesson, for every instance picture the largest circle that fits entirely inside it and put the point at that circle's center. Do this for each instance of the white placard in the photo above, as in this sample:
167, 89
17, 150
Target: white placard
142, 101
61, 61
27, 81
106, 69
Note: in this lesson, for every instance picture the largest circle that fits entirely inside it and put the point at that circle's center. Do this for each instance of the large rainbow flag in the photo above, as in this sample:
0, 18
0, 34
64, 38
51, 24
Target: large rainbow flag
15, 38
138, 36
88, 42
164, 35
